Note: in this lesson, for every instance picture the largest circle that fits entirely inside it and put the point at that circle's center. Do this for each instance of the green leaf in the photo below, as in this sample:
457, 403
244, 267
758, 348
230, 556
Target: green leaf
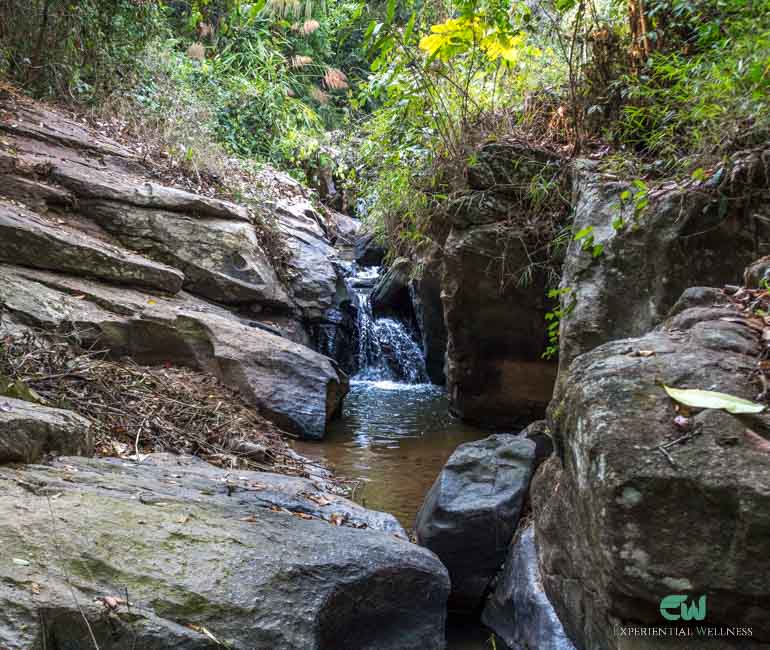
625, 195
708, 399
597, 250
699, 174
409, 27
390, 12
583, 233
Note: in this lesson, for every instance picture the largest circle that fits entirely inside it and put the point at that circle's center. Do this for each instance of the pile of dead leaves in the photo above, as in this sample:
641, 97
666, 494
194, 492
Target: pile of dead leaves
139, 409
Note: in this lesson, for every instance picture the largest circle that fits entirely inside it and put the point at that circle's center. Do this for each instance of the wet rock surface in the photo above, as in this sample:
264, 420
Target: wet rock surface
518, 610
391, 293
171, 552
620, 524
470, 514
425, 289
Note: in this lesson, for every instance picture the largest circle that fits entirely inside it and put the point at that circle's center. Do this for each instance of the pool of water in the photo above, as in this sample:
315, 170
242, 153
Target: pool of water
393, 438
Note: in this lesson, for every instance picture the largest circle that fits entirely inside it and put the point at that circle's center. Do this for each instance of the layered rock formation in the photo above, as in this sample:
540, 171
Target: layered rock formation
92, 244
479, 293
701, 235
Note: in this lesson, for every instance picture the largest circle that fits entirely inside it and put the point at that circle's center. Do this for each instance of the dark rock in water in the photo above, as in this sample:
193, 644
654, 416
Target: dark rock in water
391, 294
173, 553
471, 512
429, 312
518, 610
619, 523
335, 334
496, 330
368, 252
28, 431
684, 239
757, 274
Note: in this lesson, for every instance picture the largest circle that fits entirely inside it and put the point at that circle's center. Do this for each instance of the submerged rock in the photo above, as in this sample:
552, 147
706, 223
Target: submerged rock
470, 514
518, 610
29, 431
173, 553
621, 523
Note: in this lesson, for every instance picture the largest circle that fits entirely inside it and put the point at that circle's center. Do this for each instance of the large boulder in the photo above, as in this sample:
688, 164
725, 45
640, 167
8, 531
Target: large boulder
518, 611
31, 240
221, 259
314, 278
28, 431
470, 514
686, 236
268, 370
425, 288
625, 515
391, 293
368, 251
496, 329
170, 553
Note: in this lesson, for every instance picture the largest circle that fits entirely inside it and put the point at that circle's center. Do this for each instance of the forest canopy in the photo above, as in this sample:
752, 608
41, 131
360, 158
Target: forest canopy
392, 98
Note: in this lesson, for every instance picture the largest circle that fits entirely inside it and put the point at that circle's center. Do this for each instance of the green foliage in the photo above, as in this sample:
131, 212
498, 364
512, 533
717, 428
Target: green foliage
75, 49
565, 305
706, 88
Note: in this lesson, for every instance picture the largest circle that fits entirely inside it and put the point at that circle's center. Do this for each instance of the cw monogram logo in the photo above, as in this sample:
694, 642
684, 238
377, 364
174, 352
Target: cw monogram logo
675, 606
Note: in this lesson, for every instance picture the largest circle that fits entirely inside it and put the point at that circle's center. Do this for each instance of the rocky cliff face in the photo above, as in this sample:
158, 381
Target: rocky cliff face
493, 291
640, 504
90, 242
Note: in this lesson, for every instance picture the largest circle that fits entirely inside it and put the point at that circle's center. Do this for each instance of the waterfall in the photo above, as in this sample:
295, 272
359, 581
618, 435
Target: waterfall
387, 350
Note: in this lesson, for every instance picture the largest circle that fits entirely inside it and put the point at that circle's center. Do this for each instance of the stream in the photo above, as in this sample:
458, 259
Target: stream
395, 433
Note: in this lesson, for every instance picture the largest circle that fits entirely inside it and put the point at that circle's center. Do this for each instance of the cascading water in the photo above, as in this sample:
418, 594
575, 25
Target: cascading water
387, 351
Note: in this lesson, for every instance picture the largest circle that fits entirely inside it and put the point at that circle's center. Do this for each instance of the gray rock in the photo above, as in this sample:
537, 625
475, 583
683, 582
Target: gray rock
268, 370
518, 610
470, 514
221, 259
29, 431
425, 289
683, 239
496, 330
171, 553
640, 526
315, 282
30, 240
368, 251
346, 227
391, 293
757, 273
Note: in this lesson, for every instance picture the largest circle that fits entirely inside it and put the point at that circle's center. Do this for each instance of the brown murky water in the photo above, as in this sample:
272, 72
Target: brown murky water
394, 439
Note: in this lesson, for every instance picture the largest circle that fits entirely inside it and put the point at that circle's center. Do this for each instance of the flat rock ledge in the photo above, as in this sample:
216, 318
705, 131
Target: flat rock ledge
174, 553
